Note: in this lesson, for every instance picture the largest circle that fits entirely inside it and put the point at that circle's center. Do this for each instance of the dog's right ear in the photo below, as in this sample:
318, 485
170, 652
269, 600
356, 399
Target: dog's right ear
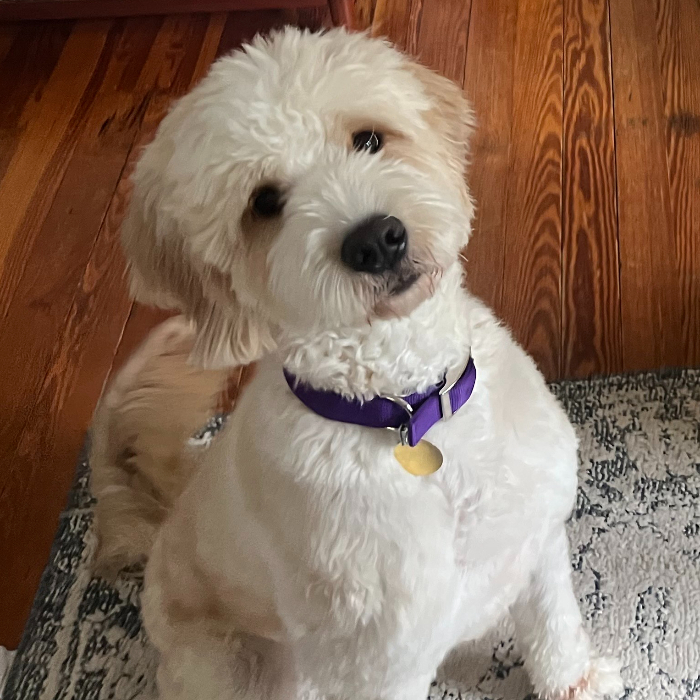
165, 272
451, 114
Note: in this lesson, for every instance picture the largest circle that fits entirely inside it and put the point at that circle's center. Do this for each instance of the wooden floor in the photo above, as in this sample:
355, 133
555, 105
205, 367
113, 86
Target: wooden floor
586, 170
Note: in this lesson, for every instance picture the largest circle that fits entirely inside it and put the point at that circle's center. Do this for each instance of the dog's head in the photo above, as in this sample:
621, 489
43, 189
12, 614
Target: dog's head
311, 181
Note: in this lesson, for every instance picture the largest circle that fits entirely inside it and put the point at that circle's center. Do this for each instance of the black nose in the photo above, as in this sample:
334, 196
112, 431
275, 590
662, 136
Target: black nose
375, 245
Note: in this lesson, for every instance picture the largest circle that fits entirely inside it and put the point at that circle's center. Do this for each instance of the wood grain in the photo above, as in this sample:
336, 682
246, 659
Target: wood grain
45, 291
488, 84
364, 14
56, 422
398, 20
528, 188
532, 268
591, 327
100, 122
650, 290
85, 313
342, 13
442, 37
210, 46
29, 58
46, 122
678, 36
41, 290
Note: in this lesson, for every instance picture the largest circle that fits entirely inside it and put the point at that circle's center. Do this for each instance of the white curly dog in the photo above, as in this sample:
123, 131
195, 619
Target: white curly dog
305, 207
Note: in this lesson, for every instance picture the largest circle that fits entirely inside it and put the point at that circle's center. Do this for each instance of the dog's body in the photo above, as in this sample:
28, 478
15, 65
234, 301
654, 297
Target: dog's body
301, 560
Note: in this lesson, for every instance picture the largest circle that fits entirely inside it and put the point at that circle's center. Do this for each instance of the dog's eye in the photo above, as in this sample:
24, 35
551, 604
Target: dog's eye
367, 141
267, 201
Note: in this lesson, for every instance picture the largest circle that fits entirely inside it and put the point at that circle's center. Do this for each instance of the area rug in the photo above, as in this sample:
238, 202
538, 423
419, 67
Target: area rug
635, 536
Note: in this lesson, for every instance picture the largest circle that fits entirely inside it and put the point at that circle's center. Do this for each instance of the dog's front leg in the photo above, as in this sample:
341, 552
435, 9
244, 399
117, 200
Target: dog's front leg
340, 670
550, 631
362, 664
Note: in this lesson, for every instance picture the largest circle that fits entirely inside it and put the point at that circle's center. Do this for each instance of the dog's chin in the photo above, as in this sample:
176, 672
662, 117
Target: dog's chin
404, 294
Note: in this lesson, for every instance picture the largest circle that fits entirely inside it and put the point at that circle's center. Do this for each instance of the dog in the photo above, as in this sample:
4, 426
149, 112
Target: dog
304, 207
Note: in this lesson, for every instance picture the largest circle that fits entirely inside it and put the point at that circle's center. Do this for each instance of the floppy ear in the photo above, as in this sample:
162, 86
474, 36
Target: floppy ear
164, 273
451, 115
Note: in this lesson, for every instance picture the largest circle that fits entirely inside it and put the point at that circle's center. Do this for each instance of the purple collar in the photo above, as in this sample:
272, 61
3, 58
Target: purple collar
412, 416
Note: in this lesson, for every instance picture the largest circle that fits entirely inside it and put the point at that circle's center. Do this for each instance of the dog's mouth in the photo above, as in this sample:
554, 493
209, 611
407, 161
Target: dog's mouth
403, 282
406, 288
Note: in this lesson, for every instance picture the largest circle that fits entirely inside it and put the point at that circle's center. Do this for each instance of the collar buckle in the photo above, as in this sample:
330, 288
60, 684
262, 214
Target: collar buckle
451, 378
403, 428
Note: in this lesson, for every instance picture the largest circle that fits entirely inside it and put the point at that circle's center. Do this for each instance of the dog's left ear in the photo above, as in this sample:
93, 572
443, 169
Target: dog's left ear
165, 272
451, 115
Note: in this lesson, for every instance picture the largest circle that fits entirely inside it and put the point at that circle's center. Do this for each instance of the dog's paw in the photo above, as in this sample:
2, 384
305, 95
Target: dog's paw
603, 680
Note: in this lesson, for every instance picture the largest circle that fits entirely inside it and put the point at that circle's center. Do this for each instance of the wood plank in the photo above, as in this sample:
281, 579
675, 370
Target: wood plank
651, 298
29, 57
23, 241
210, 46
364, 14
37, 288
591, 326
442, 37
60, 409
43, 463
514, 71
532, 270
46, 123
488, 83
13, 10
678, 36
342, 13
25, 68
398, 21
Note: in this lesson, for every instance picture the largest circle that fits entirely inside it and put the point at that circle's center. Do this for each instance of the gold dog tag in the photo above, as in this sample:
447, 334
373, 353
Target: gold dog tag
421, 460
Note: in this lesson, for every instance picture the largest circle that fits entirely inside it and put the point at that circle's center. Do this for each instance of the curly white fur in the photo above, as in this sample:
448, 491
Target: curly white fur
301, 561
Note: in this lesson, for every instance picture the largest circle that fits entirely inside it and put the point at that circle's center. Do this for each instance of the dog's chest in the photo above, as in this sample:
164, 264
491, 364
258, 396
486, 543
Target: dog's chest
488, 503
465, 513
468, 514
460, 534
451, 549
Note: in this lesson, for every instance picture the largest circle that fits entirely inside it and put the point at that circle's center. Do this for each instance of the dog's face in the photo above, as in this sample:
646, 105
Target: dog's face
309, 182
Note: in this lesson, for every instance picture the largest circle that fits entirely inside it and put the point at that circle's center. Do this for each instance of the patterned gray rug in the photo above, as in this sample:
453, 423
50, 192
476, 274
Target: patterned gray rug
636, 554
